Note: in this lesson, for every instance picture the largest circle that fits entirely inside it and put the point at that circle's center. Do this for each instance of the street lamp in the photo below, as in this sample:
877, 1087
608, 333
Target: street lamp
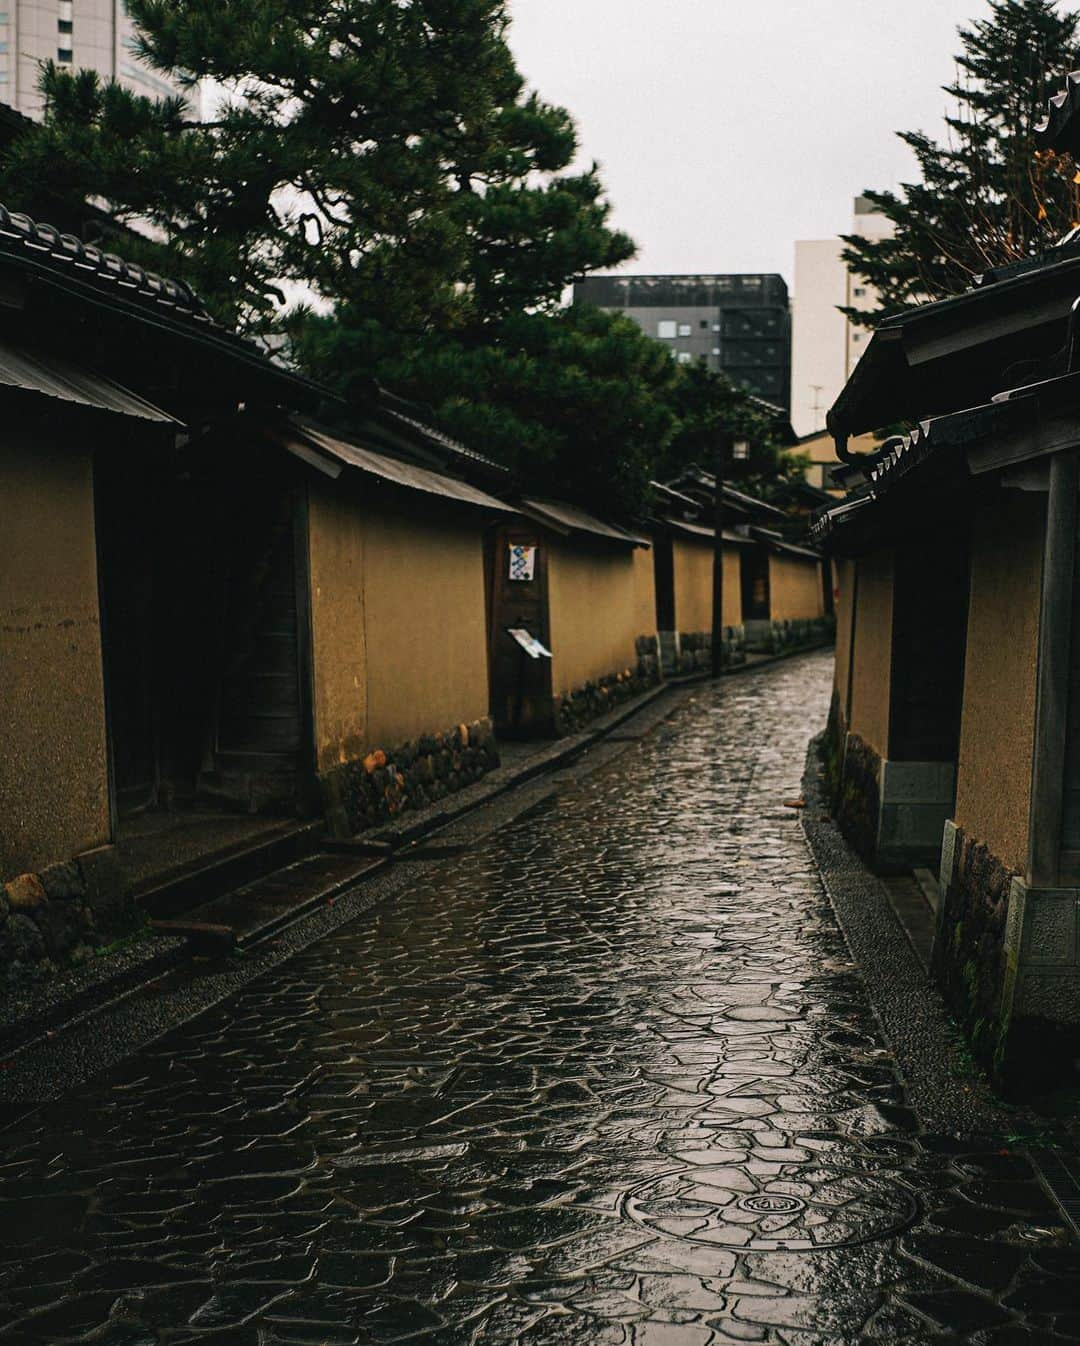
739, 451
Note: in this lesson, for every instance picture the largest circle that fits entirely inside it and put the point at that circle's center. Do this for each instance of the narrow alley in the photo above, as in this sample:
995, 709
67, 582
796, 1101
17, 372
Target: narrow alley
612, 1077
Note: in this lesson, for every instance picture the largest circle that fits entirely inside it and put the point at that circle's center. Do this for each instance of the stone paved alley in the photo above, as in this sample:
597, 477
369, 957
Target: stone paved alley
610, 1077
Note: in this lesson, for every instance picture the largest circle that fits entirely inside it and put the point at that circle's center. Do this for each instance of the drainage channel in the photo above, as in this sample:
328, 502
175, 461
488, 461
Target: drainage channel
1061, 1179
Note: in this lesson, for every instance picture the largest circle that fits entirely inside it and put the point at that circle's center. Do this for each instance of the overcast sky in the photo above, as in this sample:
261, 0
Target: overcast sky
726, 129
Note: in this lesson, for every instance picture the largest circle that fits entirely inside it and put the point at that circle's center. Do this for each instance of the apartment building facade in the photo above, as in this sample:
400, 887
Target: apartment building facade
825, 345
83, 34
737, 325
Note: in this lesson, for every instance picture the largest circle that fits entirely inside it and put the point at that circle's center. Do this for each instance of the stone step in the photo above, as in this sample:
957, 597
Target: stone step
210, 876
259, 909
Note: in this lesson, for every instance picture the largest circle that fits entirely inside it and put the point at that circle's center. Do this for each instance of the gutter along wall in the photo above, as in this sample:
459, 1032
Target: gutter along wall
54, 793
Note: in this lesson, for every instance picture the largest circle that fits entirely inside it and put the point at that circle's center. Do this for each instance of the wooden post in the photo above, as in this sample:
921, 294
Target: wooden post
1055, 646
723, 444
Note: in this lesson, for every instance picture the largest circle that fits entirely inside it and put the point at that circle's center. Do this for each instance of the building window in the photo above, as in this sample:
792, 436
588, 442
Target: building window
666, 331
859, 291
3, 47
716, 327
3, 76
684, 329
716, 350
65, 55
704, 324
856, 337
685, 357
64, 25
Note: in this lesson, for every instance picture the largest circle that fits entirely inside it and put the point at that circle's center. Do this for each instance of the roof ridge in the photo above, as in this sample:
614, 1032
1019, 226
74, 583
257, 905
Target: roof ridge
87, 262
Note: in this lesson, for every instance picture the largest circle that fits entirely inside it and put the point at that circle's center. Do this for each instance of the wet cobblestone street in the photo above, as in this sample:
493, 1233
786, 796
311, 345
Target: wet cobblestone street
609, 1077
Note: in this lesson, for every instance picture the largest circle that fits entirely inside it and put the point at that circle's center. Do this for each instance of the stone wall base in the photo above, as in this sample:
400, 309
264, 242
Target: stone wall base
764, 636
892, 813
386, 783
916, 799
575, 709
56, 918
1008, 959
858, 806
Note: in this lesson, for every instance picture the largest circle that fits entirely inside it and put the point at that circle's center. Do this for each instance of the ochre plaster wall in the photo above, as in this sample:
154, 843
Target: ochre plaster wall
693, 565
871, 671
593, 612
644, 592
733, 613
54, 791
997, 728
795, 588
397, 614
845, 581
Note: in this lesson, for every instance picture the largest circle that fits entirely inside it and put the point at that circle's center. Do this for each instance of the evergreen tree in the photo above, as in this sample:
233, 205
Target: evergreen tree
987, 196
706, 405
384, 162
375, 153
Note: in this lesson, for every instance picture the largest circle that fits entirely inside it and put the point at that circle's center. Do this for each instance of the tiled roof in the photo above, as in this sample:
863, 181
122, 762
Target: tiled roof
908, 455
42, 243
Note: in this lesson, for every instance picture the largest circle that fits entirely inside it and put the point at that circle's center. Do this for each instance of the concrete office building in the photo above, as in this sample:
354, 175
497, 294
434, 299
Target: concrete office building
826, 346
737, 325
83, 34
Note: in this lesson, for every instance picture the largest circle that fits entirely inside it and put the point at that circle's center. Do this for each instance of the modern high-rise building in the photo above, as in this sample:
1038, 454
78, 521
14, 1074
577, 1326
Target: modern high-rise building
738, 325
825, 345
84, 34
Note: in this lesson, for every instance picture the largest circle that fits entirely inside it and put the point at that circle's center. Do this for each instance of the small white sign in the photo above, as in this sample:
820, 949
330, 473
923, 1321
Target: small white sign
529, 643
522, 562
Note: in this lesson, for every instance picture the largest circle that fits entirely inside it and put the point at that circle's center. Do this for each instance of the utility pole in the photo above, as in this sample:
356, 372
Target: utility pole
723, 442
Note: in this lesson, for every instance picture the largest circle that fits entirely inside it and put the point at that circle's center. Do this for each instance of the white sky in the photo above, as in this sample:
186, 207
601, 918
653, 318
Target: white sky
727, 129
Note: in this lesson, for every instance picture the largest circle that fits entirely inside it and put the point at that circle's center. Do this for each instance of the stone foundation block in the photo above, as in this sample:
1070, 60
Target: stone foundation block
916, 801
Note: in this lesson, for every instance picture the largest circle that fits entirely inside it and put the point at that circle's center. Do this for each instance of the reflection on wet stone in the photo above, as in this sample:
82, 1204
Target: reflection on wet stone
609, 1077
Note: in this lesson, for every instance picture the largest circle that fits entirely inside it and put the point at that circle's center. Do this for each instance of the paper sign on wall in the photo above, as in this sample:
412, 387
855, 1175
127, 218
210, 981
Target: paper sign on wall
522, 562
529, 643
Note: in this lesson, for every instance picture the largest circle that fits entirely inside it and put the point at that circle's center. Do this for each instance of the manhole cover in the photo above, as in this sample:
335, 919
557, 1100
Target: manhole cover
770, 1203
813, 1207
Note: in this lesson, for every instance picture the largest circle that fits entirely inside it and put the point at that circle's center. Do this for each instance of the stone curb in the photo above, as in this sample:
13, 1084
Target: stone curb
76, 994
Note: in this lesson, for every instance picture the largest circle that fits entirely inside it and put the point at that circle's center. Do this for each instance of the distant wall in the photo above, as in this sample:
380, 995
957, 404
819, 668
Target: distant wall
54, 795
594, 611
997, 729
871, 672
398, 621
693, 565
795, 588
733, 613
644, 592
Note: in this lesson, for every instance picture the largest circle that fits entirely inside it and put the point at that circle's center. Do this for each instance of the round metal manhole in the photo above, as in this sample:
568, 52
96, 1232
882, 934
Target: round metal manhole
772, 1203
812, 1207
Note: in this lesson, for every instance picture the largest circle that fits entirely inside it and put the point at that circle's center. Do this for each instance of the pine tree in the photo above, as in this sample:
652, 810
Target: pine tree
375, 153
988, 195
705, 405
385, 162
